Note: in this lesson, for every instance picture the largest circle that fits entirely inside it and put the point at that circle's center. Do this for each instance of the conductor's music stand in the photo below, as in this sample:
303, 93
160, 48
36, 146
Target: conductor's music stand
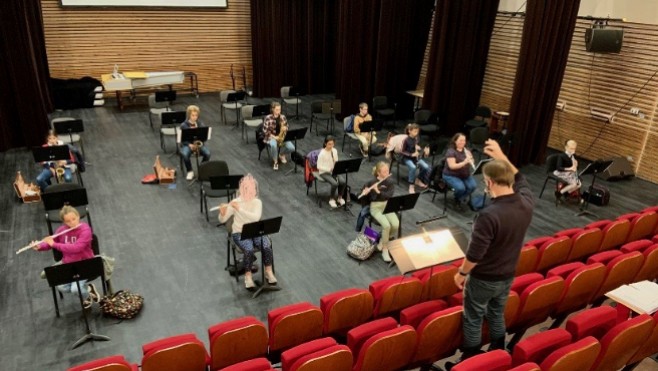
87, 269
371, 126
424, 250
595, 168
52, 154
191, 135
293, 135
351, 165
260, 229
70, 127
398, 204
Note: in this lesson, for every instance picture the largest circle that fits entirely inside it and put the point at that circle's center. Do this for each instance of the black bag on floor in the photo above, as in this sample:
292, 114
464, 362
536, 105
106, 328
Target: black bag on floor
122, 305
600, 195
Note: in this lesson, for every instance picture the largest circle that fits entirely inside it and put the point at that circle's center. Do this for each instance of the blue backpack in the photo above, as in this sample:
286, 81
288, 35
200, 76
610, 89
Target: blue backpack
350, 125
313, 158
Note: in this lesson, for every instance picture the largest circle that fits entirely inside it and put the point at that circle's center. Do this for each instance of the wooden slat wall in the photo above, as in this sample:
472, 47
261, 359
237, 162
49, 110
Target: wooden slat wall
89, 41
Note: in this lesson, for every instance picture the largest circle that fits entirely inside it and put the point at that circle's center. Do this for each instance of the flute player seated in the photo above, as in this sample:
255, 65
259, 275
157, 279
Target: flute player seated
380, 190
457, 170
74, 245
248, 208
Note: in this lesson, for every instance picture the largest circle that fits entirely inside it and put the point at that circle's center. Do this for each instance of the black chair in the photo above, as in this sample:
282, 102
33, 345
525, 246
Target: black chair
383, 110
318, 114
259, 142
316, 179
233, 249
290, 96
69, 131
169, 123
483, 113
477, 137
58, 195
208, 170
551, 166
252, 116
160, 102
438, 185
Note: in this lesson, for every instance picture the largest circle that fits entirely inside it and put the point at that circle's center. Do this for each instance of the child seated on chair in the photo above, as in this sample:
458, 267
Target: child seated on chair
326, 160
188, 148
248, 208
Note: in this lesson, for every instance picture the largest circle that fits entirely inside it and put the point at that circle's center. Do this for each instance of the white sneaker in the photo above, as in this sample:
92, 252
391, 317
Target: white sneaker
276, 166
380, 246
190, 175
249, 282
269, 276
386, 256
341, 202
333, 204
412, 189
282, 159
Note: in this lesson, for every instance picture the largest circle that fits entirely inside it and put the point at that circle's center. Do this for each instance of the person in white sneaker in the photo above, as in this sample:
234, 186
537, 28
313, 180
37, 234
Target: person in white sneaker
326, 160
188, 148
272, 126
380, 190
248, 208
411, 157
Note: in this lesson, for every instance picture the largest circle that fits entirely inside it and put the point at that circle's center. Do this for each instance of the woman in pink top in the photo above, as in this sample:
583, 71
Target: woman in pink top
74, 245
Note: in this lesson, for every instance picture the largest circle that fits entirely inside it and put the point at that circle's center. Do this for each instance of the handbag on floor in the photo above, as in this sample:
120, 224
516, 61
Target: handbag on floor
362, 247
122, 305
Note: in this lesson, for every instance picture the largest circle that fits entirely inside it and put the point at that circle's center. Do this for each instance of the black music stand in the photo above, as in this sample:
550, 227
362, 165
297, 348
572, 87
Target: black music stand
165, 96
332, 108
398, 204
478, 170
351, 165
260, 229
371, 126
54, 153
295, 92
87, 269
191, 135
70, 127
595, 168
170, 118
293, 135
235, 98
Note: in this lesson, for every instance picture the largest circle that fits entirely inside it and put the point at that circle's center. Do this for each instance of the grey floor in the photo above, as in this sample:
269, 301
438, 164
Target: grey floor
167, 252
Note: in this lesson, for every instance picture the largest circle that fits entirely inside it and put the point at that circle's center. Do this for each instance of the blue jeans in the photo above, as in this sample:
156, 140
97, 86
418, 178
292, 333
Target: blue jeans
43, 179
361, 219
411, 167
248, 246
463, 187
484, 299
73, 288
186, 153
273, 148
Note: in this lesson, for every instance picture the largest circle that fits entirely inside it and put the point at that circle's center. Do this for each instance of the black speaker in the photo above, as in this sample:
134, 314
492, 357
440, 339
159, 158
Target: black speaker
603, 40
620, 168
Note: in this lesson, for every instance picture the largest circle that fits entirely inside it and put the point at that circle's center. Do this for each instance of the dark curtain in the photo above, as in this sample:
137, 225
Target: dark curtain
24, 76
458, 58
547, 34
380, 50
293, 44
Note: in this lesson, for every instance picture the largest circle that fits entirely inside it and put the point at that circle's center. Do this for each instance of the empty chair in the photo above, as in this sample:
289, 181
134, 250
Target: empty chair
175, 353
649, 269
414, 314
649, 347
438, 282
585, 243
156, 108
290, 97
552, 253
345, 309
387, 351
527, 260
292, 325
256, 364
394, 294
537, 347
580, 355
382, 109
620, 270
439, 335
427, 121
614, 232
235, 341
208, 170
252, 116
638, 245
580, 285
477, 137
111, 363
642, 226
348, 134
320, 354
537, 301
231, 100
318, 114
594, 322
622, 342
496, 360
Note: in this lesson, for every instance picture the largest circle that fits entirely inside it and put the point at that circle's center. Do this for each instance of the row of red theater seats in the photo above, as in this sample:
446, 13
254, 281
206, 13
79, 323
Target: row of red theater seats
346, 309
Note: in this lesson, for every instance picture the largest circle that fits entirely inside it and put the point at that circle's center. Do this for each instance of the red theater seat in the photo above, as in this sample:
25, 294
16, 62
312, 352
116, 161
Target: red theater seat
257, 364
345, 309
413, 315
387, 351
614, 233
530, 366
358, 335
112, 363
649, 347
236, 340
438, 282
439, 336
496, 360
553, 252
320, 354
536, 347
394, 294
585, 243
292, 325
573, 357
649, 269
622, 342
594, 322
176, 353
580, 285
642, 226
639, 245
619, 271
537, 302
527, 260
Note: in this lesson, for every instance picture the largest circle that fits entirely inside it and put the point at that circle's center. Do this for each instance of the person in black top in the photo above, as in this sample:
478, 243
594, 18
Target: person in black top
380, 190
411, 157
488, 270
567, 170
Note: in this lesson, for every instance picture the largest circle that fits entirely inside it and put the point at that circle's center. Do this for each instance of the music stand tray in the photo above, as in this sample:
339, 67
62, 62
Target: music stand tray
347, 166
595, 168
260, 110
424, 250
194, 134
70, 126
51, 153
398, 204
73, 197
478, 167
75, 272
260, 229
293, 135
165, 96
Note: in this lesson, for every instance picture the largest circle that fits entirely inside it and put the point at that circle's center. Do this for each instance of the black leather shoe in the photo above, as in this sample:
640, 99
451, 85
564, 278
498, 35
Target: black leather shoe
558, 198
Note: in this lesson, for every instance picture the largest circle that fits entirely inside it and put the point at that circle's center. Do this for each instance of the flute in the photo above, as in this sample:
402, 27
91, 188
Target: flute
472, 161
372, 187
38, 242
218, 207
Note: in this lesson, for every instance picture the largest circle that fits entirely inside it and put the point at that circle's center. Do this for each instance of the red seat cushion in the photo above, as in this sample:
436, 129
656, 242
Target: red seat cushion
604, 257
629, 216
413, 315
638, 245
291, 355
568, 232
358, 335
256, 364
599, 224
521, 282
538, 241
116, 359
169, 342
538, 346
592, 322
564, 270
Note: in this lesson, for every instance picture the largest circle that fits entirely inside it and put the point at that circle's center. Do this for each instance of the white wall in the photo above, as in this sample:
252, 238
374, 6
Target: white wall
637, 11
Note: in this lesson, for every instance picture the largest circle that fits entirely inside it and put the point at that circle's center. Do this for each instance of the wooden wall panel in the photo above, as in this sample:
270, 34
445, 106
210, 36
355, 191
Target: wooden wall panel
89, 41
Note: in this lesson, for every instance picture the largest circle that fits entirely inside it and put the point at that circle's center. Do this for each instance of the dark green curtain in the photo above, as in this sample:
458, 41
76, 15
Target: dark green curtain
547, 34
293, 43
380, 50
24, 76
458, 59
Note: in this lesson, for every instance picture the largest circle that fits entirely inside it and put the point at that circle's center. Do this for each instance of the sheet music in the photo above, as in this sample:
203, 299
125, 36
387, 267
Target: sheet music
641, 297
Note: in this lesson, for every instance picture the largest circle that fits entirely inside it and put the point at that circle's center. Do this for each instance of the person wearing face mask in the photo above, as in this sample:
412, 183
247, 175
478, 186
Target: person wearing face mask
188, 148
567, 170
488, 269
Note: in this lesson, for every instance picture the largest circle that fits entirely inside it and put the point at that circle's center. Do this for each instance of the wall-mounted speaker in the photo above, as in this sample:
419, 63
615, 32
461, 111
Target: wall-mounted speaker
604, 40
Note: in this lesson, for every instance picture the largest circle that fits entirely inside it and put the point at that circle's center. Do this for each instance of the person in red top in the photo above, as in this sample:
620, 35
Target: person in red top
74, 245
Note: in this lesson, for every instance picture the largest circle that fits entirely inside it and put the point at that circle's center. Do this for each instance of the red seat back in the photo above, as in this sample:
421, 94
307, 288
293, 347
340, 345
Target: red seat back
387, 351
413, 315
642, 226
394, 294
585, 243
345, 309
553, 252
538, 301
649, 269
580, 287
594, 322
227, 345
496, 360
622, 342
577, 356
536, 347
620, 271
358, 335
439, 335
615, 234
293, 324
438, 282
650, 346
111, 363
176, 353
527, 260
334, 358
256, 364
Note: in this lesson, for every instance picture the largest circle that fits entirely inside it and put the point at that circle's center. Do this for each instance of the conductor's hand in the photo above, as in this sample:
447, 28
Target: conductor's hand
49, 240
459, 281
492, 149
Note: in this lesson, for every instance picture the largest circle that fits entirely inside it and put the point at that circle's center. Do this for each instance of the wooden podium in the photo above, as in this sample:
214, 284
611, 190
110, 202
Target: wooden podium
424, 250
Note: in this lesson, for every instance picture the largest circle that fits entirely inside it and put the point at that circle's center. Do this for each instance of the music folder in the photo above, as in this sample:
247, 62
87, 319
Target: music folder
424, 250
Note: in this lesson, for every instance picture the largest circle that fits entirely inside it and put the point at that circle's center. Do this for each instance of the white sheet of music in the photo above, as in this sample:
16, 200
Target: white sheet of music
641, 297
